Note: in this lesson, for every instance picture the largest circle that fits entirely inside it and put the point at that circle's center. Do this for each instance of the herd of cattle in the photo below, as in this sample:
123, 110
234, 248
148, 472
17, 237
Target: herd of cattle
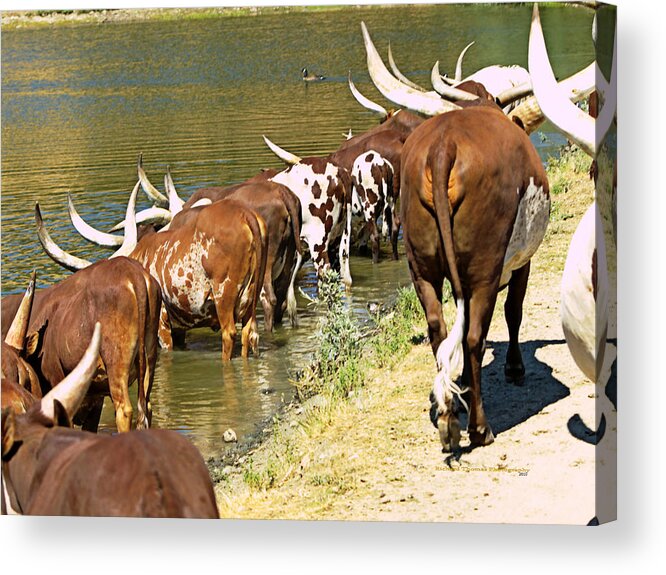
459, 162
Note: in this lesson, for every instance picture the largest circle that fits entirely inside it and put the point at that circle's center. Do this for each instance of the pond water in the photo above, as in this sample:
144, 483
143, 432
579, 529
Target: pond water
80, 103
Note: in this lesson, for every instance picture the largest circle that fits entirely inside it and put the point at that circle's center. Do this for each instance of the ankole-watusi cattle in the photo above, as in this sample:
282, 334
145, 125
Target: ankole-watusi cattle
464, 171
20, 384
209, 265
281, 211
373, 197
371, 188
324, 190
126, 300
584, 289
52, 470
475, 205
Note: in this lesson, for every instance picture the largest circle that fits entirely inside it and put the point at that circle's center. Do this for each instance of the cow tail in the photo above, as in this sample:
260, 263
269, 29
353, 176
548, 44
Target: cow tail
260, 246
142, 404
292, 204
387, 220
450, 359
345, 242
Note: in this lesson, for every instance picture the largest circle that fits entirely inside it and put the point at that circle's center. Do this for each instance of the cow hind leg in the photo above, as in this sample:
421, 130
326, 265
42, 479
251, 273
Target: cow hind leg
249, 335
514, 369
481, 306
374, 240
144, 409
93, 414
225, 298
119, 386
268, 303
164, 329
442, 414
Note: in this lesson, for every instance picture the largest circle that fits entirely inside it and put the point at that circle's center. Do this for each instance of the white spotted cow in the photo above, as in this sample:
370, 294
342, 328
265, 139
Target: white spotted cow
324, 190
372, 196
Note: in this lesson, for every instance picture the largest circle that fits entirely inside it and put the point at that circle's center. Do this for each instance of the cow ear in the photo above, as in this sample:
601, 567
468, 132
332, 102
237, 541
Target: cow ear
60, 415
34, 339
8, 431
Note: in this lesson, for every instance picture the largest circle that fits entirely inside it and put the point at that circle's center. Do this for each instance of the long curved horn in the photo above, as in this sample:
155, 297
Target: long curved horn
511, 95
131, 235
398, 74
365, 102
151, 191
459, 76
152, 215
449, 81
55, 252
575, 87
175, 203
19, 328
570, 119
286, 157
90, 233
443, 89
71, 390
428, 103
202, 202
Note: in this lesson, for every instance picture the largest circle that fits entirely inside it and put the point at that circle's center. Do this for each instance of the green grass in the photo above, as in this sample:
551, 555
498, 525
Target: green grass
572, 164
45, 18
336, 366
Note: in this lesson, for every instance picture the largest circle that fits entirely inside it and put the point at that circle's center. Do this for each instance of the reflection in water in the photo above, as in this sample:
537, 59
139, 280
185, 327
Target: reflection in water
79, 104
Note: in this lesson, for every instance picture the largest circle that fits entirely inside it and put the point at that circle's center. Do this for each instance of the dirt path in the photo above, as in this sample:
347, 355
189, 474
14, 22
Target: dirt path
378, 457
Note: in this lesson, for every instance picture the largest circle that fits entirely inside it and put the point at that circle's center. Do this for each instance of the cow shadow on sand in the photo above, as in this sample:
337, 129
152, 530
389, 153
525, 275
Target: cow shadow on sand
506, 404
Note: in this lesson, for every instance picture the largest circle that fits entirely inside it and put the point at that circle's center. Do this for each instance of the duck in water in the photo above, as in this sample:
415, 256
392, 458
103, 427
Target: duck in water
311, 77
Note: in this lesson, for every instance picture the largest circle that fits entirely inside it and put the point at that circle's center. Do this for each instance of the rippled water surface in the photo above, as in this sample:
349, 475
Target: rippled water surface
80, 103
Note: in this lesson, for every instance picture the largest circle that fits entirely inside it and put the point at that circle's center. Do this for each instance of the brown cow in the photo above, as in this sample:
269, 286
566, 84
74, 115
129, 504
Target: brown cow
476, 196
209, 267
281, 211
126, 300
475, 206
50, 470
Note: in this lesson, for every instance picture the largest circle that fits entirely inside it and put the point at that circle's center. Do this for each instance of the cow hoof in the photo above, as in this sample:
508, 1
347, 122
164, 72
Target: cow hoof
514, 373
483, 437
449, 432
